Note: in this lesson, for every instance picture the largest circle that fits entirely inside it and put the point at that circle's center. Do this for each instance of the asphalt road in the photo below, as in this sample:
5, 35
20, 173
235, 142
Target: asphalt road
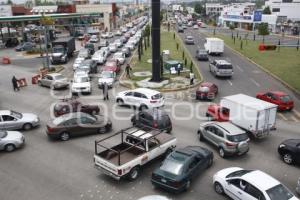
55, 170
247, 78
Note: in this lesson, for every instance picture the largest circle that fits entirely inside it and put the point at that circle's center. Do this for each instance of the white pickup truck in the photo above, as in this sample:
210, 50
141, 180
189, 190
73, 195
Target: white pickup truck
137, 147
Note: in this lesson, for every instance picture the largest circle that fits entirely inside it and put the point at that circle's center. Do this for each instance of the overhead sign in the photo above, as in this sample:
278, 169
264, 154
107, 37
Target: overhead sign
257, 16
5, 10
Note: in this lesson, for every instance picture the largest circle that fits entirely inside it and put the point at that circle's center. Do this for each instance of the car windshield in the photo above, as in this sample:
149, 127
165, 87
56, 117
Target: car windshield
58, 49
118, 55
157, 96
285, 98
172, 166
238, 173
3, 134
204, 89
237, 138
16, 114
106, 74
81, 79
225, 66
279, 192
189, 37
202, 52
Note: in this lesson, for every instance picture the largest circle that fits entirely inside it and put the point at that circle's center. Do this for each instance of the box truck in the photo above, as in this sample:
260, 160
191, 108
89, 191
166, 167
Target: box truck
214, 46
62, 49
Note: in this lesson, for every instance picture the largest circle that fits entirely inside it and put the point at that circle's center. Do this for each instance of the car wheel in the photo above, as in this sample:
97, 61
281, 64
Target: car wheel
134, 173
288, 158
201, 138
10, 147
27, 126
221, 152
210, 162
102, 130
120, 102
64, 136
219, 188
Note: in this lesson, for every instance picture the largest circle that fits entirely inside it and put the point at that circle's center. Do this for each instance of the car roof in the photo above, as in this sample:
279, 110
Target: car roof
146, 91
223, 62
55, 74
206, 84
5, 112
230, 128
279, 93
155, 111
260, 180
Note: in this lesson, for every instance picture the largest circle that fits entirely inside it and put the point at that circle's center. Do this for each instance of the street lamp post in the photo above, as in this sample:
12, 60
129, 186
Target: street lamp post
156, 71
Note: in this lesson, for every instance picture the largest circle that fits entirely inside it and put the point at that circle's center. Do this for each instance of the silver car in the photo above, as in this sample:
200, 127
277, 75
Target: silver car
10, 140
227, 137
54, 81
12, 120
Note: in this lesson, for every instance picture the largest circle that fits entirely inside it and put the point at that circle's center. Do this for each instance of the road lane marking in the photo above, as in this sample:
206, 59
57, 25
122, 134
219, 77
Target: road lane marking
229, 82
254, 81
297, 113
294, 119
282, 116
240, 68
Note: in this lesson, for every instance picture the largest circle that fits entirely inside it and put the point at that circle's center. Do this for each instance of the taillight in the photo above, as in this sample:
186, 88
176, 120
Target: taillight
155, 125
119, 172
229, 144
50, 129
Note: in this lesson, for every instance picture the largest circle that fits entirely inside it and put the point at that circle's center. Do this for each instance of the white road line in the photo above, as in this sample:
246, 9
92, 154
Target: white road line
294, 119
240, 68
297, 113
229, 82
256, 83
282, 116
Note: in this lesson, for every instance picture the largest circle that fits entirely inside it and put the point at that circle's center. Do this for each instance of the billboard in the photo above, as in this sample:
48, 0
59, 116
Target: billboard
5, 10
257, 16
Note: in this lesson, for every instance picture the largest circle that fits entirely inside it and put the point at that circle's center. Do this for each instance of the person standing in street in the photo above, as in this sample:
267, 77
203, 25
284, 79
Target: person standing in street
15, 83
105, 91
192, 77
128, 69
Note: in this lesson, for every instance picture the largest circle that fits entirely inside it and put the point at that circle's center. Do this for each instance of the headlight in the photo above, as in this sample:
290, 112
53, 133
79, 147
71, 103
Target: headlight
36, 120
281, 145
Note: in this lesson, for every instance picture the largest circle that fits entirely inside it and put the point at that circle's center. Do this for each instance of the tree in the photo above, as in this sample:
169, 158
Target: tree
263, 30
199, 8
259, 3
267, 11
9, 2
147, 33
231, 27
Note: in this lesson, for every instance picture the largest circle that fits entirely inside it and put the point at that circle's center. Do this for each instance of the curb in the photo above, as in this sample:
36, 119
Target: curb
263, 69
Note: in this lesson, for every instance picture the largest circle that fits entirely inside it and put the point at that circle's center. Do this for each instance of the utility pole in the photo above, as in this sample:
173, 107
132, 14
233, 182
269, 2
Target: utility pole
156, 74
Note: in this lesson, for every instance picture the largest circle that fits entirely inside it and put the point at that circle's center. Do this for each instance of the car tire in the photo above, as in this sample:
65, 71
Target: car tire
134, 173
288, 158
64, 136
218, 188
9, 147
210, 162
102, 130
120, 102
27, 126
200, 135
221, 152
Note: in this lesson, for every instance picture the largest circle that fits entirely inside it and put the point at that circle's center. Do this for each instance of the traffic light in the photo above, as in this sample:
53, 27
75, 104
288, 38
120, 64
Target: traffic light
264, 47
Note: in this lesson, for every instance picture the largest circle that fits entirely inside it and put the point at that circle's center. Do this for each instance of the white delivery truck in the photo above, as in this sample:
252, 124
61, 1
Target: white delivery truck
125, 152
214, 46
253, 115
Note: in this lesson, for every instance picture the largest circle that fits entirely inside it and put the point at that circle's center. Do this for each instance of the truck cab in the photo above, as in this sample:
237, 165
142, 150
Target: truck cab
218, 113
59, 54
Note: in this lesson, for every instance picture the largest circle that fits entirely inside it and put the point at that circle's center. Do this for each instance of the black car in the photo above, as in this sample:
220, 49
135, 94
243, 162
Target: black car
290, 151
89, 66
201, 54
90, 47
180, 29
152, 118
180, 167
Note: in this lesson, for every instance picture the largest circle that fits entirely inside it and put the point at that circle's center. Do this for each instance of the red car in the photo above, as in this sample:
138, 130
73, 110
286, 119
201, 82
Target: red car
72, 105
207, 90
112, 66
283, 100
218, 113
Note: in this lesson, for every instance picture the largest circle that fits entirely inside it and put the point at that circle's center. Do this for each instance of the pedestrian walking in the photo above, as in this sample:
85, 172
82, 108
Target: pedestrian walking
178, 69
105, 91
192, 77
128, 69
15, 83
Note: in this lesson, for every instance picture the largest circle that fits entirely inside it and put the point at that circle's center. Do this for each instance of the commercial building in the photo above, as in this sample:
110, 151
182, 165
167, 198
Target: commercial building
286, 9
213, 8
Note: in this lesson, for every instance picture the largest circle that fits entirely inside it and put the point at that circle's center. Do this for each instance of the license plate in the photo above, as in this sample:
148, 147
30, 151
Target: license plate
163, 180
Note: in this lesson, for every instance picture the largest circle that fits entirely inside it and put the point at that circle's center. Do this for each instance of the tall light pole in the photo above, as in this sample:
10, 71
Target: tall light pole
155, 33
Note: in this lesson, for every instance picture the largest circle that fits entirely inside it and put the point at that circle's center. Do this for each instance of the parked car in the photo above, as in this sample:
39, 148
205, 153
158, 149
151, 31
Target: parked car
113, 48
108, 77
238, 183
289, 150
111, 65
126, 51
12, 120
100, 56
84, 53
221, 68
89, 66
152, 118
189, 40
207, 90
54, 81
94, 39
72, 105
103, 43
201, 54
283, 100
11, 140
77, 124
119, 57
77, 62
81, 84
228, 138
26, 46
142, 98
181, 167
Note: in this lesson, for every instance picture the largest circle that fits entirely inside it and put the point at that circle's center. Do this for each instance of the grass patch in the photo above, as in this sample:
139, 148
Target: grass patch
284, 63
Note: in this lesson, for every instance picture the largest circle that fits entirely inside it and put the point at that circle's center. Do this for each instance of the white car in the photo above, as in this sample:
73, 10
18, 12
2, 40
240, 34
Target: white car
100, 56
107, 77
10, 140
124, 30
120, 57
119, 43
195, 26
77, 62
110, 35
104, 35
94, 39
130, 45
243, 184
118, 33
81, 84
113, 48
141, 98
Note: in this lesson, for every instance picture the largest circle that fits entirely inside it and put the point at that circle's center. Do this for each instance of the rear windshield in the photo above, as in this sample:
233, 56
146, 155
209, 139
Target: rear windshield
172, 166
238, 173
81, 79
237, 138
225, 66
279, 192
157, 96
59, 77
285, 98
